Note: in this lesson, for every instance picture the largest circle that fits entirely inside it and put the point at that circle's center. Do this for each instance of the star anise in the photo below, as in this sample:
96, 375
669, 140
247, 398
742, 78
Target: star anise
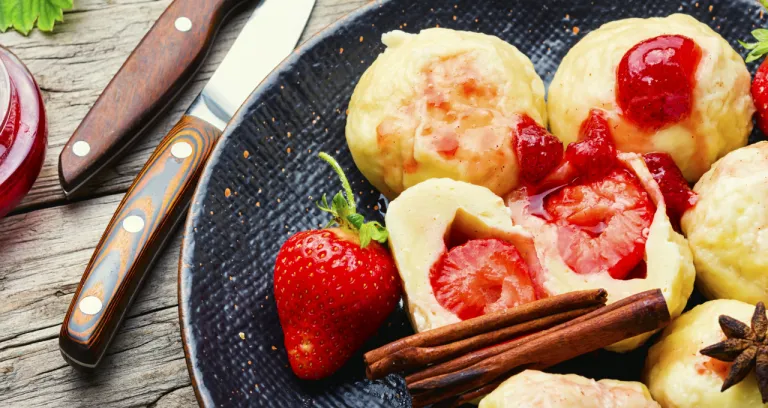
744, 346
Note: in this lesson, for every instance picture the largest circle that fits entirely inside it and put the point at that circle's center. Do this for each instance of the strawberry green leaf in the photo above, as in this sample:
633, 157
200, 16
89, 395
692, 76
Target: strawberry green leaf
758, 52
748, 46
761, 34
372, 231
356, 219
21, 15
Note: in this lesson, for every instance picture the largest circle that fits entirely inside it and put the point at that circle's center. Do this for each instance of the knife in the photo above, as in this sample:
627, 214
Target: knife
160, 194
150, 79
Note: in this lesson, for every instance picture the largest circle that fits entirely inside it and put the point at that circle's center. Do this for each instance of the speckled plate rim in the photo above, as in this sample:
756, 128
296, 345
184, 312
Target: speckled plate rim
188, 244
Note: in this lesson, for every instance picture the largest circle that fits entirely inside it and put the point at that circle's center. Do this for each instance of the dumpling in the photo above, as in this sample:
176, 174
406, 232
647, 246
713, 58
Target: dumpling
442, 103
666, 84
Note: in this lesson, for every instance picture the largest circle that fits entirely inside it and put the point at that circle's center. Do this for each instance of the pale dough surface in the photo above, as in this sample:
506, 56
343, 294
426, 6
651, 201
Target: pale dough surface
536, 389
442, 103
722, 112
678, 375
668, 258
727, 227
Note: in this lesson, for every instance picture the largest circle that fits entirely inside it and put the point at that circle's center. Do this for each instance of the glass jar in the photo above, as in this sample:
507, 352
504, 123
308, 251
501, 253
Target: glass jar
23, 131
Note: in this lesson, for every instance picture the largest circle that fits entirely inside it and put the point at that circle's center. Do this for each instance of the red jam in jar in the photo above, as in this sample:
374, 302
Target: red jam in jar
656, 79
23, 131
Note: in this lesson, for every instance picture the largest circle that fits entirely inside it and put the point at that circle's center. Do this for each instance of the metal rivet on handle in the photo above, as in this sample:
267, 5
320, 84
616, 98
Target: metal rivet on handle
181, 150
81, 148
90, 305
133, 223
183, 24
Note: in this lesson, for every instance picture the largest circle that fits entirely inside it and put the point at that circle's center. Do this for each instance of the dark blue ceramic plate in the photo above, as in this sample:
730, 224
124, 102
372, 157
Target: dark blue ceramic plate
267, 159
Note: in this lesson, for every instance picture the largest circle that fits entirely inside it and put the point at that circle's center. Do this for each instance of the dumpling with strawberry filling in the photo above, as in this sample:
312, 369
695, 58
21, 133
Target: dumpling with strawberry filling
607, 219
443, 103
458, 254
669, 84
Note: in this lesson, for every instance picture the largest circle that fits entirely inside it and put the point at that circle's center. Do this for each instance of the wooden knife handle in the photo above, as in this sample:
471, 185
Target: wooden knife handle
153, 205
149, 80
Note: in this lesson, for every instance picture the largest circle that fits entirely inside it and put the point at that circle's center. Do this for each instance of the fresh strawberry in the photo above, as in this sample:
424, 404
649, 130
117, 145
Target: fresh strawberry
333, 287
760, 96
481, 276
759, 49
602, 222
678, 196
536, 149
595, 153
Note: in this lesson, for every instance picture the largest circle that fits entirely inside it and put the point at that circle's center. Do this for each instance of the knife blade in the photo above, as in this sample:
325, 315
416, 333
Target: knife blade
159, 196
148, 81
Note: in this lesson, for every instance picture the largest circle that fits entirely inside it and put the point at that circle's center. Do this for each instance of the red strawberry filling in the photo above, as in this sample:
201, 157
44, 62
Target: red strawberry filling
602, 222
481, 276
537, 151
655, 81
677, 194
600, 209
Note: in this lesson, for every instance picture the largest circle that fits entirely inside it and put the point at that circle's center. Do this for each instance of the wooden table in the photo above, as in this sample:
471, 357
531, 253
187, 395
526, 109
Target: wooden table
47, 242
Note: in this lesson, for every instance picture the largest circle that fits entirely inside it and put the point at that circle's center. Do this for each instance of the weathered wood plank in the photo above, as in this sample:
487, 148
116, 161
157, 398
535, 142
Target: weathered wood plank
75, 63
43, 253
43, 257
144, 367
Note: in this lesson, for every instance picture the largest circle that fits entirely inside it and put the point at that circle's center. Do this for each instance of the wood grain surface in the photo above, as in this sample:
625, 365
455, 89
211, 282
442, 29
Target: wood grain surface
152, 76
45, 248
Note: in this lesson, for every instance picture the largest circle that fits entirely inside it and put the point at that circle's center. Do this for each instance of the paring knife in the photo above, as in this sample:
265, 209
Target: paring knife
158, 198
150, 79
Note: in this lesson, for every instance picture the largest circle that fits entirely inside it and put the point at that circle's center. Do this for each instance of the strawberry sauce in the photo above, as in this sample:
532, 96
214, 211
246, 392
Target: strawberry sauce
678, 196
655, 81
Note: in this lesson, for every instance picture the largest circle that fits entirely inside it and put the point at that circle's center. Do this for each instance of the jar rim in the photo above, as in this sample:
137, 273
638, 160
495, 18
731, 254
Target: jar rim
5, 93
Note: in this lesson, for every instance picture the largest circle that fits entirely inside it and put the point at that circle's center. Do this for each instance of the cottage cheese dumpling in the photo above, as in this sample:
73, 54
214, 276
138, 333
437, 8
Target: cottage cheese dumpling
727, 228
668, 260
442, 103
432, 219
666, 84
535, 389
677, 375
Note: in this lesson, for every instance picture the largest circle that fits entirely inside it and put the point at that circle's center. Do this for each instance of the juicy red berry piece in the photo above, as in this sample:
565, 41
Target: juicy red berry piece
656, 79
602, 223
481, 276
537, 150
595, 153
760, 96
678, 196
331, 296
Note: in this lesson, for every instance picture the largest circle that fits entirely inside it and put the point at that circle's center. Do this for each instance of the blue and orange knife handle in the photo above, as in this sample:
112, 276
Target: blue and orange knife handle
156, 201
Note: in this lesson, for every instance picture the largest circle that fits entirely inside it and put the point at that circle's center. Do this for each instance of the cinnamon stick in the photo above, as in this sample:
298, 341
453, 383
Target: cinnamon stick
415, 357
493, 321
480, 355
604, 327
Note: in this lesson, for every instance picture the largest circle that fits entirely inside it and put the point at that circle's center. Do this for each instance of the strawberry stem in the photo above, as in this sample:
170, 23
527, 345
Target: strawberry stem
344, 210
344, 182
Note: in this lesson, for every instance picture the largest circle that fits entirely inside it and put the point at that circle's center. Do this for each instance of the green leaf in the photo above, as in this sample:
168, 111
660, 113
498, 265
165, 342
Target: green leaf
356, 220
757, 52
372, 231
764, 3
761, 34
323, 205
340, 205
748, 46
22, 14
